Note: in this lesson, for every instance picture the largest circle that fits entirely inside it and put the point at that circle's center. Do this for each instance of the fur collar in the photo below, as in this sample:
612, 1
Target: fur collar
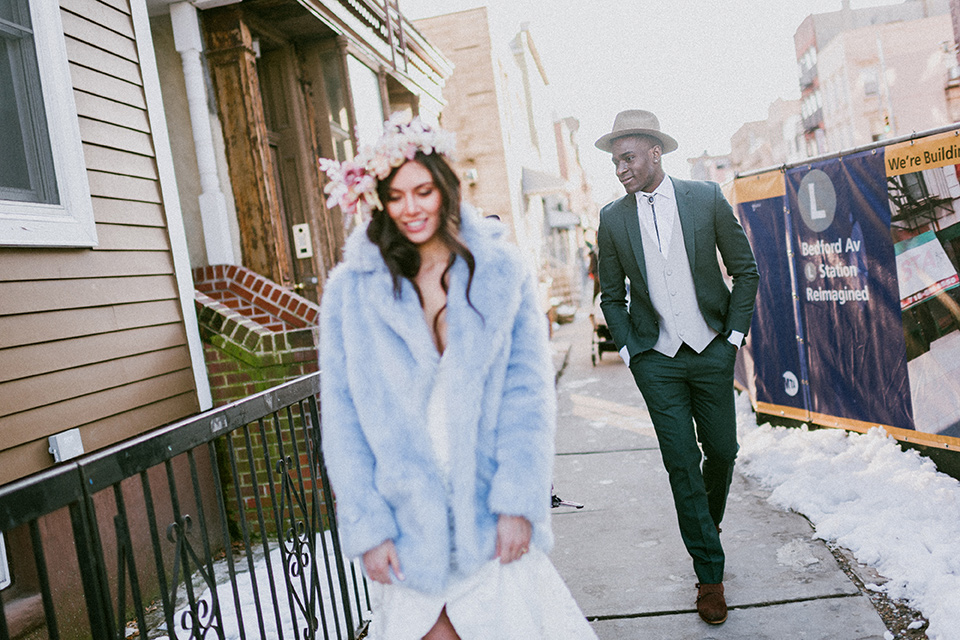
475, 327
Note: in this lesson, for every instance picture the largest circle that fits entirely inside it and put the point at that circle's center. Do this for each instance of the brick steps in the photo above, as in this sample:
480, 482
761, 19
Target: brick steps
256, 333
255, 297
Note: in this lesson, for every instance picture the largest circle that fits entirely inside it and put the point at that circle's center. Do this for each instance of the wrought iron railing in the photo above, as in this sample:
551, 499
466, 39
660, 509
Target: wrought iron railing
219, 526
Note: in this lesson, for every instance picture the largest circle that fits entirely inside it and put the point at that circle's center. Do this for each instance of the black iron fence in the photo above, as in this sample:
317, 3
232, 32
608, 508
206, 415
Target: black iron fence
219, 526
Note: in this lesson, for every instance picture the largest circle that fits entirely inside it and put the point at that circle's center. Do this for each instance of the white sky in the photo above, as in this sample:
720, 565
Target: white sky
704, 67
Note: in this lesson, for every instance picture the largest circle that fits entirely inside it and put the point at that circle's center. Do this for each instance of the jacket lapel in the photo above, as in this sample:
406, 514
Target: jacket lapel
475, 334
686, 208
404, 316
631, 221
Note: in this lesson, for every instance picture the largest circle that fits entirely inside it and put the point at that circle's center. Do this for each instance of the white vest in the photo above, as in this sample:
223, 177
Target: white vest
673, 295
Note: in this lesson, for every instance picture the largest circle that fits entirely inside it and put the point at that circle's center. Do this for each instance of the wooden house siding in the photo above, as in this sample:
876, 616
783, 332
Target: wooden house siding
95, 339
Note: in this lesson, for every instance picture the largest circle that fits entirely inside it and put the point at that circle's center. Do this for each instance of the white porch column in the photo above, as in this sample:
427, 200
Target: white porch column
213, 207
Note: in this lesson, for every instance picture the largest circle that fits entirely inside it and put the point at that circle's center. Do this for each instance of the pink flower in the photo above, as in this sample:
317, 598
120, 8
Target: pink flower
352, 173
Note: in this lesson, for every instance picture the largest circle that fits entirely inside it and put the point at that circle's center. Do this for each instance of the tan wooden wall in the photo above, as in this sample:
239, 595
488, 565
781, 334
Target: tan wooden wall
94, 338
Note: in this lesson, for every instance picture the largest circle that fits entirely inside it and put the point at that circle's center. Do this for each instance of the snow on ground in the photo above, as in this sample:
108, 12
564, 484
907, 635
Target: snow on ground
278, 621
890, 507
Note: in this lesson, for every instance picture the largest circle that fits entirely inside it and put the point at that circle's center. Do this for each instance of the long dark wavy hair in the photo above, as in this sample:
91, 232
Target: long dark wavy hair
400, 255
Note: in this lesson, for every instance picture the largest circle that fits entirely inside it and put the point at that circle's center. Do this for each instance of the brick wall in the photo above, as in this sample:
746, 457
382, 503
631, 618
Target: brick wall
256, 335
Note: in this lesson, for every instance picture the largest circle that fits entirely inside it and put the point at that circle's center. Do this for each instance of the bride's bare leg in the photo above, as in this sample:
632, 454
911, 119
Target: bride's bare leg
443, 629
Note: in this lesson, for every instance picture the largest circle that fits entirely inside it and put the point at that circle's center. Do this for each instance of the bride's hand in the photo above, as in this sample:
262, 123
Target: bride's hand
513, 538
379, 560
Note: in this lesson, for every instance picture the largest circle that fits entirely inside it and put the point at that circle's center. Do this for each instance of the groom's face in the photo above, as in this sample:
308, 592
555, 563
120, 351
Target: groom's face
637, 159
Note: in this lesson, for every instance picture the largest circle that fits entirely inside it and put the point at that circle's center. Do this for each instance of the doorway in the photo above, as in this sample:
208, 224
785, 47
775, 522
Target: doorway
293, 159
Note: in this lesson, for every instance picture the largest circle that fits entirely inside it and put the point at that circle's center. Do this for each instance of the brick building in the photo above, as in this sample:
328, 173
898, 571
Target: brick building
871, 62
515, 158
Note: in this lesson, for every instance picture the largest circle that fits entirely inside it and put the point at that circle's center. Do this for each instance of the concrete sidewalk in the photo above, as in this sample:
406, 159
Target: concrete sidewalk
622, 557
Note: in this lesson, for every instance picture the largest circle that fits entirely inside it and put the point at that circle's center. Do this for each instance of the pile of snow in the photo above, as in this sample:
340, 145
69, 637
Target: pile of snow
890, 507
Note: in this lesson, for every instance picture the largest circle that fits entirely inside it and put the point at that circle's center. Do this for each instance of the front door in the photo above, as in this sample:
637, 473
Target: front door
294, 160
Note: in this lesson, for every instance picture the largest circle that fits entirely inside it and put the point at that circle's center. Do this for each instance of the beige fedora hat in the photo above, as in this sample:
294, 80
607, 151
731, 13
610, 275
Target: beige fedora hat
636, 122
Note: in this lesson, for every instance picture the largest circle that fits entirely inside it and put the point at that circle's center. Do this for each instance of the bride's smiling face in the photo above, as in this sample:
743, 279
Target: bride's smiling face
413, 203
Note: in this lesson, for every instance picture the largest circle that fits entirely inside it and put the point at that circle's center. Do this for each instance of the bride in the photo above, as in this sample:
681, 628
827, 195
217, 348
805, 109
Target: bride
438, 405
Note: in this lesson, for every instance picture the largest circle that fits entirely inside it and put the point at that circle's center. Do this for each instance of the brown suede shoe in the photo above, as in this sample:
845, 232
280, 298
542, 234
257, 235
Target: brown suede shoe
711, 604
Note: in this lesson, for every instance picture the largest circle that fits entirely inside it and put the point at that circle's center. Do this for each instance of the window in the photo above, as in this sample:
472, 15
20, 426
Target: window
335, 91
870, 81
26, 171
367, 104
44, 195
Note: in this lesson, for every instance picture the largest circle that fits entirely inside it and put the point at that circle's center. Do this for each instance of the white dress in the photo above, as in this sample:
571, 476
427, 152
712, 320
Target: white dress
523, 600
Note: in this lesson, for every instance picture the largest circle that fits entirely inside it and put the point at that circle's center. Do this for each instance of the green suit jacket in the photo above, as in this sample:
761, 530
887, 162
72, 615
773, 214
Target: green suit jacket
708, 226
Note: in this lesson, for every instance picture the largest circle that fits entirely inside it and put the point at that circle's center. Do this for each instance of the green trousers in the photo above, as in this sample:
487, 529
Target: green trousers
690, 399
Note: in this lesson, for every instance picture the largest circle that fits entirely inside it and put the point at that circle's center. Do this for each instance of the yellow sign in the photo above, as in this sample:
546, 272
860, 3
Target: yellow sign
926, 153
759, 187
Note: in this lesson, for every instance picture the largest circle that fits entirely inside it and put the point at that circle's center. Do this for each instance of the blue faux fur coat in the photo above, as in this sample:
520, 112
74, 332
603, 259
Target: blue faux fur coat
378, 364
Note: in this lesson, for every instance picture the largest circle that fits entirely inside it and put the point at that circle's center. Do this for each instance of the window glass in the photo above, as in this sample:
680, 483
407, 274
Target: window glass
44, 192
4, 567
13, 169
333, 86
335, 92
365, 87
870, 81
26, 168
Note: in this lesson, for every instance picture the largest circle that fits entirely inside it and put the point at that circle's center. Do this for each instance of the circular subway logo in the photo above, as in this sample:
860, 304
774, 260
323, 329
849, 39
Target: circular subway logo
818, 200
790, 383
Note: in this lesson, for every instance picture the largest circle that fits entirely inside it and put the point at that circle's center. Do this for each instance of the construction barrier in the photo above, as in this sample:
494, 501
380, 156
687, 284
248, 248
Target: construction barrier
857, 322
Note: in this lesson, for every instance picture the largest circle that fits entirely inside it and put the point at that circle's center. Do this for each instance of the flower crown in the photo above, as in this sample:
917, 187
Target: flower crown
353, 184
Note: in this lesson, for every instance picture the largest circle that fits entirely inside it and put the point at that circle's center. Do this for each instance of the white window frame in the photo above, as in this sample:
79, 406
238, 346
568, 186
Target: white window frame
69, 223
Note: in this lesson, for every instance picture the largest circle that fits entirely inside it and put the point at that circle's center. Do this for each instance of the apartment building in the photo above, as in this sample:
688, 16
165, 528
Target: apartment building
872, 61
517, 159
765, 143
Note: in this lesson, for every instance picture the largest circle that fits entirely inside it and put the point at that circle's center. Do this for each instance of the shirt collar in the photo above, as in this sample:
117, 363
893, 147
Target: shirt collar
664, 189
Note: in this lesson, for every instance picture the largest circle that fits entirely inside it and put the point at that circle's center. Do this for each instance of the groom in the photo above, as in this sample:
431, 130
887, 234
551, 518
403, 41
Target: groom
681, 329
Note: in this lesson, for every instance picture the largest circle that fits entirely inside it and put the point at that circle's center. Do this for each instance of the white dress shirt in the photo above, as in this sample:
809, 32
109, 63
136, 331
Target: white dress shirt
665, 205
